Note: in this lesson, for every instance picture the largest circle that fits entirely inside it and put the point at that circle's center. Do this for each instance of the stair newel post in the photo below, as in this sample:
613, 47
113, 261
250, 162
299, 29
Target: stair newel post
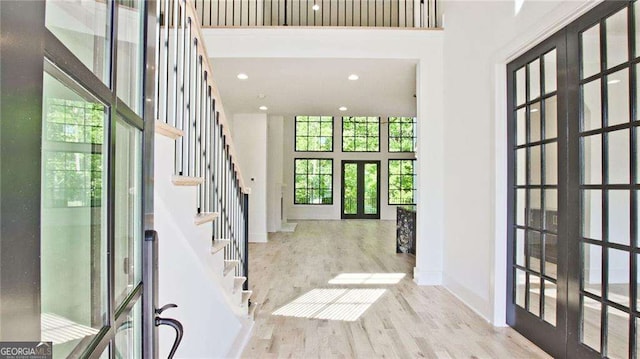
245, 210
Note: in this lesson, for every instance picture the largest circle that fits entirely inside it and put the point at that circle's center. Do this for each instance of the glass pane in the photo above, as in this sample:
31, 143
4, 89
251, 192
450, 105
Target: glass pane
551, 210
551, 117
130, 56
636, 12
591, 312
74, 228
534, 79
637, 144
520, 279
618, 276
521, 165
350, 188
551, 163
617, 333
105, 354
550, 297
83, 27
550, 71
535, 208
591, 106
619, 211
371, 188
617, 43
534, 241
592, 268
128, 341
519, 248
551, 255
637, 282
128, 211
534, 294
521, 80
590, 41
520, 207
535, 126
618, 157
618, 97
592, 159
521, 125
592, 214
535, 165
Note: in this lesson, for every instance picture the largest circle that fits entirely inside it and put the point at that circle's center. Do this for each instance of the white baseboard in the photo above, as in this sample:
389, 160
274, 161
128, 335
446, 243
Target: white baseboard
427, 277
258, 237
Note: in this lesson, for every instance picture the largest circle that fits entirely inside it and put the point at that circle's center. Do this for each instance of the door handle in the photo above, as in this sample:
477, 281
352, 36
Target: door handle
173, 323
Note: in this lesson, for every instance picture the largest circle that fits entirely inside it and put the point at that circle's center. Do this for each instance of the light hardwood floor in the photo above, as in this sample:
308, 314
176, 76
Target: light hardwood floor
324, 321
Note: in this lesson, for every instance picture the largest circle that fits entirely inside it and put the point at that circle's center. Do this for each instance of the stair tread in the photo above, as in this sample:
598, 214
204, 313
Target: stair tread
230, 265
186, 180
219, 245
167, 130
246, 294
205, 217
252, 310
238, 282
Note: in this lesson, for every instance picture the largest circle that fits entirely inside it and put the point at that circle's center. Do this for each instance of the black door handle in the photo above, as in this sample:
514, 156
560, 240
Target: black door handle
173, 323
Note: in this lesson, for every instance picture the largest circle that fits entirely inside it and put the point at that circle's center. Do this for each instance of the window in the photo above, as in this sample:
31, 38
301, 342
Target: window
402, 180
72, 179
74, 121
313, 181
402, 134
360, 134
314, 133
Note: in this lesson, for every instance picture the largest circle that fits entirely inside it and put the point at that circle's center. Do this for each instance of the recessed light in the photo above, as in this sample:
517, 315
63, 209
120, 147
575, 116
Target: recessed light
315, 7
263, 108
242, 76
353, 77
613, 82
342, 108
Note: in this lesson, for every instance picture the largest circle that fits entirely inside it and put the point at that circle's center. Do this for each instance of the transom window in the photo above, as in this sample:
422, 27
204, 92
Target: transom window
402, 179
314, 134
402, 134
360, 134
313, 181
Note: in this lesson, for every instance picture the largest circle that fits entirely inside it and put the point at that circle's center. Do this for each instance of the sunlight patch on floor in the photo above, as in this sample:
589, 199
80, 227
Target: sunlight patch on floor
60, 330
368, 278
331, 304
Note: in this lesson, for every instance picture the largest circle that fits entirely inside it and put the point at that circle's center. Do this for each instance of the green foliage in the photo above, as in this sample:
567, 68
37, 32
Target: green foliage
314, 133
313, 183
73, 177
360, 134
402, 134
401, 182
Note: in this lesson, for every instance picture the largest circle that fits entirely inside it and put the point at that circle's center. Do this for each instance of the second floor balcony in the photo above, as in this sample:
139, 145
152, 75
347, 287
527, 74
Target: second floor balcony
310, 13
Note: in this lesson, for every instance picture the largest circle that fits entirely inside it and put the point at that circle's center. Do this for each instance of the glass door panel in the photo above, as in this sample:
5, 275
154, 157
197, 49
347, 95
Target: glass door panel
371, 190
128, 212
350, 188
361, 189
73, 215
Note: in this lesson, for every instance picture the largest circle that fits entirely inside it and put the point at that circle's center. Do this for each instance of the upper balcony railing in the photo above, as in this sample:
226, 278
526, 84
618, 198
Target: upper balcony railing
343, 13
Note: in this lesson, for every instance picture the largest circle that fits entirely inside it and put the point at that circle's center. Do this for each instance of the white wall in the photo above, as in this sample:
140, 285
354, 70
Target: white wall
475, 57
423, 46
250, 140
275, 155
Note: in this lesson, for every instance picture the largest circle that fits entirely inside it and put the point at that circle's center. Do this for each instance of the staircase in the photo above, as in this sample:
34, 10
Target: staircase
200, 200
193, 270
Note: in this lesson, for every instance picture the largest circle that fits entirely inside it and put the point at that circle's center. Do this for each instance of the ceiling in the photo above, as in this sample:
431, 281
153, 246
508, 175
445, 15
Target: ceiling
386, 87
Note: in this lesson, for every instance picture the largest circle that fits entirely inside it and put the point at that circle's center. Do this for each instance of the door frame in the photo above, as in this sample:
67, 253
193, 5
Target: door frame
360, 190
21, 86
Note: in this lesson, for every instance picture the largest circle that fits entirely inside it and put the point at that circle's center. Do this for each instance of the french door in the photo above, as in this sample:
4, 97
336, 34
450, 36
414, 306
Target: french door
77, 85
573, 224
360, 189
